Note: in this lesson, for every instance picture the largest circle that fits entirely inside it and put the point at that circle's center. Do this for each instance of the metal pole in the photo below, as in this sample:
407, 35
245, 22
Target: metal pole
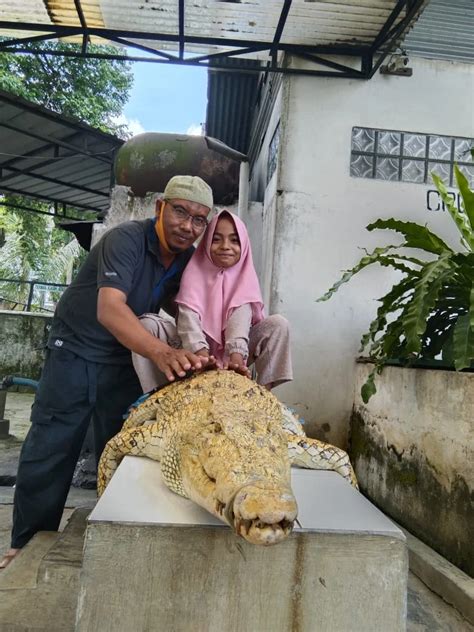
30, 295
4, 423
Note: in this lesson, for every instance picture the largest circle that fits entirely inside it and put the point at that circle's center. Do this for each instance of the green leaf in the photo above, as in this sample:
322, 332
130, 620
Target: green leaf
438, 333
467, 195
389, 303
393, 344
463, 339
424, 299
368, 389
368, 260
460, 219
416, 236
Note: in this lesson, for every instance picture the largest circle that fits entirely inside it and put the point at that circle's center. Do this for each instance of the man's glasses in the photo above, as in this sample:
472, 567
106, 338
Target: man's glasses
198, 222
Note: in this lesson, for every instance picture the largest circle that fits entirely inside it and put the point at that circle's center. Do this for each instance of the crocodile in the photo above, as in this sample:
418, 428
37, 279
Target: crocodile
226, 443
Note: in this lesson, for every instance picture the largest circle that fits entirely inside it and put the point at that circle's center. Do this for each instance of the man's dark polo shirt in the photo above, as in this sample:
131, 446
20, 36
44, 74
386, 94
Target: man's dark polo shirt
126, 258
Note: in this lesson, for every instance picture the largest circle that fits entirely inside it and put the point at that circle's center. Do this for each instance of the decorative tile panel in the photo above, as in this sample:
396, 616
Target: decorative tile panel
414, 145
387, 169
408, 156
363, 139
413, 171
362, 166
389, 143
462, 149
440, 147
442, 170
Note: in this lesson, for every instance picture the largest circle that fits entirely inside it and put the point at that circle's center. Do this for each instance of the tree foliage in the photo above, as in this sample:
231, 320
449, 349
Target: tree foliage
92, 90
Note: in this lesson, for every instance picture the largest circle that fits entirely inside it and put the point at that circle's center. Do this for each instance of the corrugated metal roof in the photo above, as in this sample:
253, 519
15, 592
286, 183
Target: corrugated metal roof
445, 31
231, 98
51, 157
224, 24
309, 21
65, 12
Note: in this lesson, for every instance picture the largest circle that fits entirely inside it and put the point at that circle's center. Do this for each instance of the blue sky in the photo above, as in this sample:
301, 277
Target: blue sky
167, 98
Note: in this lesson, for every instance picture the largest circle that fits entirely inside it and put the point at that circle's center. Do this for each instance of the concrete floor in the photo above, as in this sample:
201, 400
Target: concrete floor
426, 611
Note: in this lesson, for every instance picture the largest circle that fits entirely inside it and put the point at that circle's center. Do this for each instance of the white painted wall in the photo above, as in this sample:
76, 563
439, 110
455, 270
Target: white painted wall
320, 213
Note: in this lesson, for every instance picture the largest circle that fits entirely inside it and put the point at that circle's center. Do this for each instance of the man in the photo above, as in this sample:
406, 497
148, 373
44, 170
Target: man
135, 268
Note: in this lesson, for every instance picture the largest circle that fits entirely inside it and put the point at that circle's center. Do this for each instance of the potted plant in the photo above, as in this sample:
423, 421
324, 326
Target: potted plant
427, 316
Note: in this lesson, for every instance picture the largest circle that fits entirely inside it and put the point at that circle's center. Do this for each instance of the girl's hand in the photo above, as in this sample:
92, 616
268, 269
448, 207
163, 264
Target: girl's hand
236, 363
211, 361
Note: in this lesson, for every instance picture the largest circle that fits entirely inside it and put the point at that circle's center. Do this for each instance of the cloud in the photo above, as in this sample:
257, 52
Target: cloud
133, 126
195, 129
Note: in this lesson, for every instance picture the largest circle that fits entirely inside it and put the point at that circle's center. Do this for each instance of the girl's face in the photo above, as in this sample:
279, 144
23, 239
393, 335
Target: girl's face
225, 246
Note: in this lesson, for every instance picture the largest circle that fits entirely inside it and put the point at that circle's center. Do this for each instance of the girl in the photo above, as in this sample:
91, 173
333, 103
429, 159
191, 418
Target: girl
220, 307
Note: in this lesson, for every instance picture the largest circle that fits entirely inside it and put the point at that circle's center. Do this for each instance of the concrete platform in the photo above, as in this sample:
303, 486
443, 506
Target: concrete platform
155, 561
38, 591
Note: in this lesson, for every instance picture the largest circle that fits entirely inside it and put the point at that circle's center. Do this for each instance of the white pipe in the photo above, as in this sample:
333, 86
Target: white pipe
243, 189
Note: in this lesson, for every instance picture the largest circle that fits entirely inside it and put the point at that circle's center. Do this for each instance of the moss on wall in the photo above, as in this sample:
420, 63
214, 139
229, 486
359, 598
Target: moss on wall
405, 486
22, 342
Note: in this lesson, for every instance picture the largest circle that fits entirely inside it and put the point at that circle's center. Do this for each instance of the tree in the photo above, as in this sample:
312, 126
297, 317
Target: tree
91, 90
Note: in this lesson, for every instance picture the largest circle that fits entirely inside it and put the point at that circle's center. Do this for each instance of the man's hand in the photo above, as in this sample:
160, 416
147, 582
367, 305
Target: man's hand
236, 363
178, 361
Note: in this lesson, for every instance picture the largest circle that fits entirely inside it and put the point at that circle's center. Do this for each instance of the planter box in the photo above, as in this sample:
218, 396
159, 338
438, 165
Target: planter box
412, 447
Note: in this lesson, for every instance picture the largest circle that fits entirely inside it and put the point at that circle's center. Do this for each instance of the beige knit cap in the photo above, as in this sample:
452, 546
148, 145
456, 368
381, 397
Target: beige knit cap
192, 188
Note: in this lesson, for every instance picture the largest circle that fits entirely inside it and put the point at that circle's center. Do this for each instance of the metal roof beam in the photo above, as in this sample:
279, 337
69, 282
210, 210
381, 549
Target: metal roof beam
41, 111
229, 53
43, 198
331, 64
181, 28
146, 49
37, 176
381, 37
82, 20
279, 30
188, 62
27, 40
168, 37
20, 207
413, 6
51, 143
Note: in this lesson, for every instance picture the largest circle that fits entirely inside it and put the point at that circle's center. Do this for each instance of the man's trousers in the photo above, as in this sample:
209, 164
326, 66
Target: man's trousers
71, 392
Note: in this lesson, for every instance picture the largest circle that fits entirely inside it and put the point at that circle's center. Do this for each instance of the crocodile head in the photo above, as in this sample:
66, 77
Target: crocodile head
241, 474
261, 513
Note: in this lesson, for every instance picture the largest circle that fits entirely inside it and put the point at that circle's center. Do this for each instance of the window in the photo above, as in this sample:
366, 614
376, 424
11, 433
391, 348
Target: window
408, 156
273, 153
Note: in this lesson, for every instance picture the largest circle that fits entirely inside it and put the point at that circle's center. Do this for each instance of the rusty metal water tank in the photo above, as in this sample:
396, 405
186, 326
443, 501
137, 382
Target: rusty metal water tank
146, 162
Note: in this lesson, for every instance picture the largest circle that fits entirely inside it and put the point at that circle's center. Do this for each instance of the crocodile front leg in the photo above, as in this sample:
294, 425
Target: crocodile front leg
143, 441
317, 455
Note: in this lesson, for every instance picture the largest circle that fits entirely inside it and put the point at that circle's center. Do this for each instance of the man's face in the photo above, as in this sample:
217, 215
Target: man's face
183, 222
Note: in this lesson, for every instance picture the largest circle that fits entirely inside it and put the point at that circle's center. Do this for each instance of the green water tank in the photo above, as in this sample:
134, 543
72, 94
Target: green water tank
146, 162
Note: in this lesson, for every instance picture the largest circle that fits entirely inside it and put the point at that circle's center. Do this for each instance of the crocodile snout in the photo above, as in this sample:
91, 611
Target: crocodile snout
264, 515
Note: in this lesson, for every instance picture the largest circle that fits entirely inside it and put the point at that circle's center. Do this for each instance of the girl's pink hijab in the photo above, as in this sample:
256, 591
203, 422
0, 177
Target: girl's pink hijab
214, 292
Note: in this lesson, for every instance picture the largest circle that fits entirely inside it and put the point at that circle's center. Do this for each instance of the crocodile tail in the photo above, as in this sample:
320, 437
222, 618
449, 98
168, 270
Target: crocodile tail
317, 455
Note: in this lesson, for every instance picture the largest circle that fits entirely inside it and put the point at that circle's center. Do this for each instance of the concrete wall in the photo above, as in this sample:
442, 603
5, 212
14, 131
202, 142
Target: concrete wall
315, 215
23, 337
412, 447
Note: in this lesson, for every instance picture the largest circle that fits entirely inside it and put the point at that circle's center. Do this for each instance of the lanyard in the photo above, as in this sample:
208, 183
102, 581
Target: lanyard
158, 290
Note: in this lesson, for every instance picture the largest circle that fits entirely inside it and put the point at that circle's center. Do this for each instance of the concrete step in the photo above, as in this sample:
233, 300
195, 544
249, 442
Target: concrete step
38, 591
156, 562
23, 573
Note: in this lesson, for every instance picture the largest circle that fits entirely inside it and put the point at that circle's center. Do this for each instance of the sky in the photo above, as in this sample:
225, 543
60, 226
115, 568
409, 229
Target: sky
166, 98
